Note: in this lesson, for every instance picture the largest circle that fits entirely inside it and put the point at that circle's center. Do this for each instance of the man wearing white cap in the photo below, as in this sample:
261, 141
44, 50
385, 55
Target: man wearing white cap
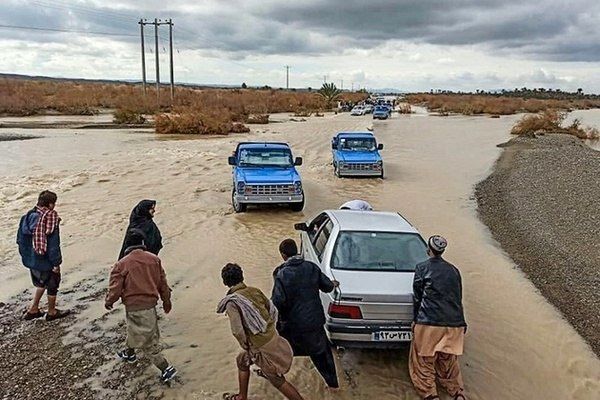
439, 325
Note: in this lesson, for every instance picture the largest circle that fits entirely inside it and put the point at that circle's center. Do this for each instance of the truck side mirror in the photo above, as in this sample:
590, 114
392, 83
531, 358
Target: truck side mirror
333, 145
231, 160
379, 146
301, 227
298, 161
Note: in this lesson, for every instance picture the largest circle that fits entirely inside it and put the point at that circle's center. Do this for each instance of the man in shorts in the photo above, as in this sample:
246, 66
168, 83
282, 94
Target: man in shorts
39, 246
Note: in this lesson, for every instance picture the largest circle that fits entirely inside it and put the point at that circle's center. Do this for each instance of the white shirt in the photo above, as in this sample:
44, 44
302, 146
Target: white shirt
359, 205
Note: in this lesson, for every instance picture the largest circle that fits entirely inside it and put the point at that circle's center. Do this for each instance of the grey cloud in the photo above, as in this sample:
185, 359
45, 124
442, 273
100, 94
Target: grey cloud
549, 29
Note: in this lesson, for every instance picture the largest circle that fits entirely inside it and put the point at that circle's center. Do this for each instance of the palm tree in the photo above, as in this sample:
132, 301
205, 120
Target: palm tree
329, 92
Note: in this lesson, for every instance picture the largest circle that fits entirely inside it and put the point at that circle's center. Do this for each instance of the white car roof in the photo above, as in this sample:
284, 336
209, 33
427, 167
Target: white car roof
375, 221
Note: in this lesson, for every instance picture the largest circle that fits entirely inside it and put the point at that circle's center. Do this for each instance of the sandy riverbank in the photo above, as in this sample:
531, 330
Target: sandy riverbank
518, 346
542, 203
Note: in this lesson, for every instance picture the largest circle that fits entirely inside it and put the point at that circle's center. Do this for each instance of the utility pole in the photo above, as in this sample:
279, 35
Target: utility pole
324, 78
157, 62
342, 84
171, 60
353, 86
287, 76
143, 56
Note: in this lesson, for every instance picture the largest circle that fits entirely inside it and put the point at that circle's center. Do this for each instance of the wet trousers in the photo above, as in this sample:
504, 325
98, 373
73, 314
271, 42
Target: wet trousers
315, 345
441, 366
143, 334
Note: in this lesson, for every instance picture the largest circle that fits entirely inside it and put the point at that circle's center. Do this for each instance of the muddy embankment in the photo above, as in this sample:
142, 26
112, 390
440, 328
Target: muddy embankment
542, 204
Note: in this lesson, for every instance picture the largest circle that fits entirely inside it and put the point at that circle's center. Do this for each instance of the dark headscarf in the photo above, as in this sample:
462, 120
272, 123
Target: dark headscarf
141, 219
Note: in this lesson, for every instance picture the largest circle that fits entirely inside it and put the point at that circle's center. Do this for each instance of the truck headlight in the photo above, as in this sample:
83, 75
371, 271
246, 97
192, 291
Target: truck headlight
298, 187
341, 165
240, 187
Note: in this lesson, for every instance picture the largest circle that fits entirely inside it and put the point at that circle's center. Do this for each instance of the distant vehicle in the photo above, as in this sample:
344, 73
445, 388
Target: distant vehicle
265, 173
381, 112
356, 154
358, 110
373, 255
368, 109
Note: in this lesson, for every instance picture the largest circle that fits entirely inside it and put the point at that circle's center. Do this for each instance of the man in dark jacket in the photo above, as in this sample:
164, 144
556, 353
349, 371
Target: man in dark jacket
439, 325
301, 316
38, 238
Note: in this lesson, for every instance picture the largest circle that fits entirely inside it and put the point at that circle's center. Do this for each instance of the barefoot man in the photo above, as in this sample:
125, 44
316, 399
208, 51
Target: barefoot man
253, 318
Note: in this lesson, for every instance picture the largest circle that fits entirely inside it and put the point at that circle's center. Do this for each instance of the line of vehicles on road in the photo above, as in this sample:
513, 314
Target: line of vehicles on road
372, 254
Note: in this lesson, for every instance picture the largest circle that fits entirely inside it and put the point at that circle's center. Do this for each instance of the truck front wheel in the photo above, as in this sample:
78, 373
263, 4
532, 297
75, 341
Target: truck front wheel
297, 207
237, 206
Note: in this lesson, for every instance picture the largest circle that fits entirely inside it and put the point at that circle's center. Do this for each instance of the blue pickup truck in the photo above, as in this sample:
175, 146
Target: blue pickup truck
356, 154
382, 112
265, 173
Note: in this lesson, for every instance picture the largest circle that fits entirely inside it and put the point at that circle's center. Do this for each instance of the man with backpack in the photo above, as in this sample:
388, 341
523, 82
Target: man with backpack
39, 245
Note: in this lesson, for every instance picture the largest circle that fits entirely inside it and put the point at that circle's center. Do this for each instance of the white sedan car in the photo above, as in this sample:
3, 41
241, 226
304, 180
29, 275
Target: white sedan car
358, 110
373, 255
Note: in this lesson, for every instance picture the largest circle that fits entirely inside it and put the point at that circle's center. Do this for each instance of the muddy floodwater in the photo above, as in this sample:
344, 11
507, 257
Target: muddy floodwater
517, 346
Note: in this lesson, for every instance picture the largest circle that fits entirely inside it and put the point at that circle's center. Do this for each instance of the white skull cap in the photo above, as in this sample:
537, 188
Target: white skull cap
437, 243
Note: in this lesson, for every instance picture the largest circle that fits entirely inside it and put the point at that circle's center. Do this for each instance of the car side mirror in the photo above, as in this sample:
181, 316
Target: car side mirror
301, 227
231, 160
379, 146
298, 161
333, 144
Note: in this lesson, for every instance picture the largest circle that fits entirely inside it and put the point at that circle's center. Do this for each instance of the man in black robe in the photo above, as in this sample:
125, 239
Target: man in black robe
301, 315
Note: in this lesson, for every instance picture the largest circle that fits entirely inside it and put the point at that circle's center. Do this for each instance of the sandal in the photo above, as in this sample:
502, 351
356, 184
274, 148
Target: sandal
27, 316
59, 314
459, 396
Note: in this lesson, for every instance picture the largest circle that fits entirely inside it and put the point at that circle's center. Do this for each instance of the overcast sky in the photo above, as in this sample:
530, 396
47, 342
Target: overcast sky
404, 44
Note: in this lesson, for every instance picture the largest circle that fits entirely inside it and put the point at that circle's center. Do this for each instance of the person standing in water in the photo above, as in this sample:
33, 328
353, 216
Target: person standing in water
39, 246
439, 325
357, 205
296, 296
253, 317
142, 218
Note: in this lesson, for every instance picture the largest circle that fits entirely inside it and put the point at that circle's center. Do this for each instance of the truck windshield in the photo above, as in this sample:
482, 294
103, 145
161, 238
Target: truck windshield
358, 144
378, 251
265, 158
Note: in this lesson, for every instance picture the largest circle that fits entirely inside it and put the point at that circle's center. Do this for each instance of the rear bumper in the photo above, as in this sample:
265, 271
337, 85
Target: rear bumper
254, 199
361, 334
380, 116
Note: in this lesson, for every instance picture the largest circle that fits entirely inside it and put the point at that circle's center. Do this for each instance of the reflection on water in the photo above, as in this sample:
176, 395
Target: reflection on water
518, 346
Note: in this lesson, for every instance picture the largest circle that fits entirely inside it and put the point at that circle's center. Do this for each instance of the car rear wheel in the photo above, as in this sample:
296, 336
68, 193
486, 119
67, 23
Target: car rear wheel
237, 206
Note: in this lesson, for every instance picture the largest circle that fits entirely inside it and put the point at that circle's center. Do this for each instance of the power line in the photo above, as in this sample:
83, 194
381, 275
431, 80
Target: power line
36, 28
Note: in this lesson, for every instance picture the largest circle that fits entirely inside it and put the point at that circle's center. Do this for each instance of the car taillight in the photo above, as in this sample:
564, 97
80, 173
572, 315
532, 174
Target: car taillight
347, 312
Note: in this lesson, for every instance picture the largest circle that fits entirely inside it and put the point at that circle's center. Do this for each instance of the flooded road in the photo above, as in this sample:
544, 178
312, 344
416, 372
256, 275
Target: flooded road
517, 347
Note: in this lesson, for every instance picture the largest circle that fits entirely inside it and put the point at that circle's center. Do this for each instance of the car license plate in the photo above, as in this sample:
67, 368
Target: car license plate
392, 336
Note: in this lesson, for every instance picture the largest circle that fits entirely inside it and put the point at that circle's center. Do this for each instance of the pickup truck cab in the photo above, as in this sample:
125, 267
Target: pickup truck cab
265, 173
373, 255
382, 112
356, 154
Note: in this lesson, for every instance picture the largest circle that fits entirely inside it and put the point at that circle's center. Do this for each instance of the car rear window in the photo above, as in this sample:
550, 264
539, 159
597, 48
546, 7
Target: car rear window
378, 251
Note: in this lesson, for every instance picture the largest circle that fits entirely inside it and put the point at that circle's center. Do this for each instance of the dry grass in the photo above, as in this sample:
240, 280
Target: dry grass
469, 104
258, 119
198, 111
405, 109
551, 121
124, 116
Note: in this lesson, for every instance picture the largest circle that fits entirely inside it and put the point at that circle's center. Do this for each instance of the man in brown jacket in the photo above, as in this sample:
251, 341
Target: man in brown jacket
253, 318
138, 279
